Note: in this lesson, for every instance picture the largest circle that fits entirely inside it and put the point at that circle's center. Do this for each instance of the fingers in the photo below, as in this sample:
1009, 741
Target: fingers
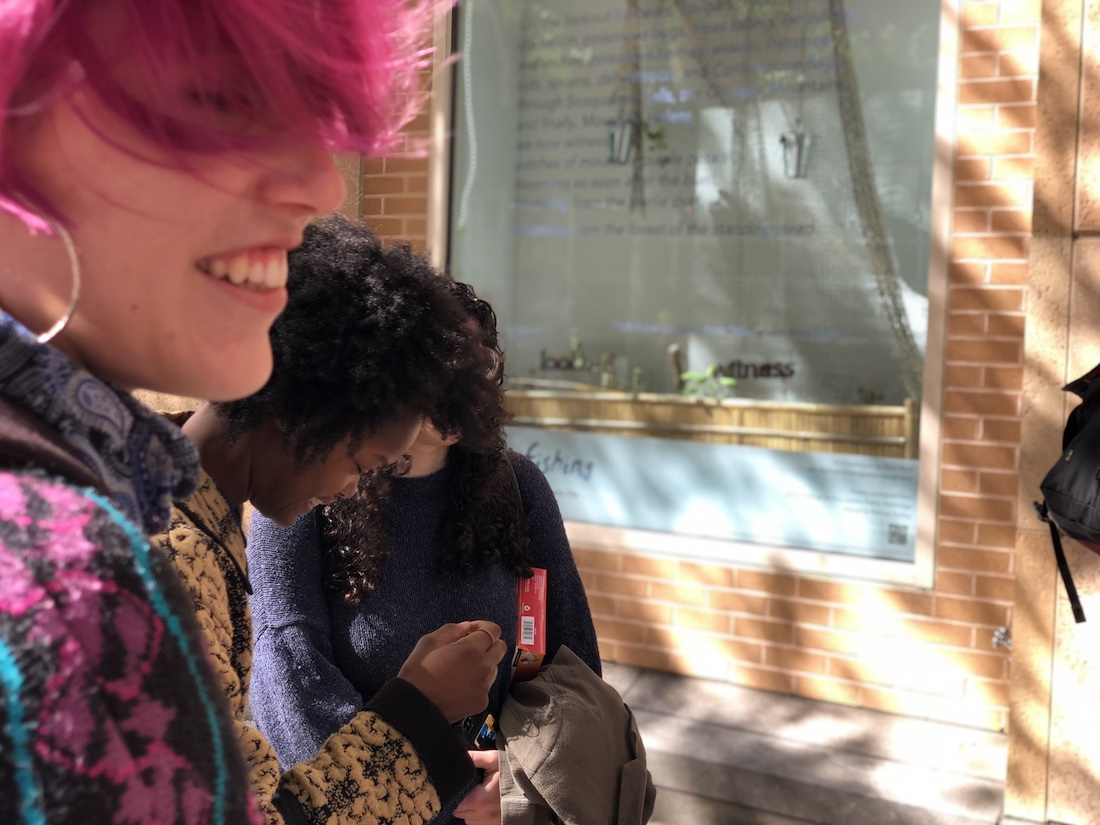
487, 760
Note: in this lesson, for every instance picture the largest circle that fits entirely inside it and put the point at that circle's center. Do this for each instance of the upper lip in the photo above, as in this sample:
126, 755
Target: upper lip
287, 242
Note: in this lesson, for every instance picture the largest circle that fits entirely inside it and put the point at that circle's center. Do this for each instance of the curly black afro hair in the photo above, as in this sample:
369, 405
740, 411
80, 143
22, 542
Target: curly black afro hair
370, 335
485, 518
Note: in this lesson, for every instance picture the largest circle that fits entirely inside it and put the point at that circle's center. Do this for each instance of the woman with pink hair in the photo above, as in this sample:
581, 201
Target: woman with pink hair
158, 159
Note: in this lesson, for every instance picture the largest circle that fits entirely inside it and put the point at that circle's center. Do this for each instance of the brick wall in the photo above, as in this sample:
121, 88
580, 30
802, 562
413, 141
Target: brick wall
923, 653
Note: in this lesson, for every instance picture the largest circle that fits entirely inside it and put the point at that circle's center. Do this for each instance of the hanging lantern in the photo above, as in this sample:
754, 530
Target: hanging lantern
621, 140
796, 153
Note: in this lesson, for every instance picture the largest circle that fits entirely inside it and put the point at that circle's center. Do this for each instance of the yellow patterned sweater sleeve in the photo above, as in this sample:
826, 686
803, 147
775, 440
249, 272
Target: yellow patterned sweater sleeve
371, 770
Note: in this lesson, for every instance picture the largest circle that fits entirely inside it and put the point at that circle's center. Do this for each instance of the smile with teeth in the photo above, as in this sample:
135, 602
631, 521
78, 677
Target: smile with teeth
255, 269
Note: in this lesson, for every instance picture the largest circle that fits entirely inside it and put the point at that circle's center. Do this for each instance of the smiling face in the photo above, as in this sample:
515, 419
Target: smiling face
283, 491
183, 269
183, 254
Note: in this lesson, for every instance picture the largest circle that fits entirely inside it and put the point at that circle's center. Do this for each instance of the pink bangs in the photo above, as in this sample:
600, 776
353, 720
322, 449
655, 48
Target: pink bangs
344, 73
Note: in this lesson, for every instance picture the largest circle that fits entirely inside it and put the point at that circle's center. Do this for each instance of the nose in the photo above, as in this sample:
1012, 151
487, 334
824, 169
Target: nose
302, 177
350, 488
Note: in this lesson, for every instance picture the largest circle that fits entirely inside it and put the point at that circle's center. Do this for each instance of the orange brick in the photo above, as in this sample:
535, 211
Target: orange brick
960, 376
960, 584
967, 272
995, 588
712, 575
940, 633
823, 591
1018, 64
800, 612
976, 118
978, 65
654, 568
1018, 12
996, 142
643, 610
373, 166
1003, 431
999, 484
383, 184
979, 14
1006, 325
958, 532
973, 559
1014, 169
971, 220
965, 247
987, 457
997, 535
986, 298
404, 206
907, 601
1010, 220
1004, 39
1004, 378
959, 481
960, 429
985, 352
416, 184
753, 628
607, 650
1017, 116
637, 656
988, 692
620, 584
981, 402
966, 325
831, 641
973, 169
735, 601
709, 620
1008, 273
601, 605
596, 560
787, 658
617, 631
773, 583
971, 610
1007, 90
982, 508
826, 690
755, 677
372, 206
386, 227
416, 227
678, 593
403, 164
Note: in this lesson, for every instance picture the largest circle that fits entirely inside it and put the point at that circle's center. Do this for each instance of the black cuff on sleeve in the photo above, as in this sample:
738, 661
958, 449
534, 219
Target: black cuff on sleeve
441, 751
289, 809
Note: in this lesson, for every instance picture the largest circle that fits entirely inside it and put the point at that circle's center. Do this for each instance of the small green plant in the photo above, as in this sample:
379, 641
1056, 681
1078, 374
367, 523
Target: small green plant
576, 349
639, 381
707, 384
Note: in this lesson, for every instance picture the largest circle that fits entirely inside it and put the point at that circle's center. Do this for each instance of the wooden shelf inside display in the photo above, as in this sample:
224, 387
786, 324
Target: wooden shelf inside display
799, 427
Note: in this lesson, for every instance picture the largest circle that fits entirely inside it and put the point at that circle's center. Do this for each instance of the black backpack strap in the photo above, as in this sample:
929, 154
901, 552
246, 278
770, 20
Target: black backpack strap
1063, 565
27, 443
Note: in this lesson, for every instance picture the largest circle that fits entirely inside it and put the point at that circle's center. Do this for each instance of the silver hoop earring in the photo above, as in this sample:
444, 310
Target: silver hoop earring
74, 292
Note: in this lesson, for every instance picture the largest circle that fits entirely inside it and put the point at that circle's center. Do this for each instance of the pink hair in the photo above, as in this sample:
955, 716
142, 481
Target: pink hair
341, 72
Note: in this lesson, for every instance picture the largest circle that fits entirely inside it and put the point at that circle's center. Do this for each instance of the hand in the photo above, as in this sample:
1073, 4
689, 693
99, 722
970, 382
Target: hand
455, 666
482, 805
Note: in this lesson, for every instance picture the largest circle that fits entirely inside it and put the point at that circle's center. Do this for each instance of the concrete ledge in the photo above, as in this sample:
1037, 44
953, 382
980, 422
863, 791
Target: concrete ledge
735, 756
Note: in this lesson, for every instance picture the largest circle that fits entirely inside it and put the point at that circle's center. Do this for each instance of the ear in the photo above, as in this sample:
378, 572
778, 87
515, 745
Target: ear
433, 435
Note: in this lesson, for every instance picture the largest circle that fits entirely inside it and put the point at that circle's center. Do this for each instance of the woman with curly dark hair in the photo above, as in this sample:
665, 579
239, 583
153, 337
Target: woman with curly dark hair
368, 342
439, 538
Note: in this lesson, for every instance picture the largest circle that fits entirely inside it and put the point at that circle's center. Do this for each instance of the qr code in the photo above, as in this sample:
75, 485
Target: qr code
898, 534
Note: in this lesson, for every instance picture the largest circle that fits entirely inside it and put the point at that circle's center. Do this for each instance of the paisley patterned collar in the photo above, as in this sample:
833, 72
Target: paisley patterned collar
143, 459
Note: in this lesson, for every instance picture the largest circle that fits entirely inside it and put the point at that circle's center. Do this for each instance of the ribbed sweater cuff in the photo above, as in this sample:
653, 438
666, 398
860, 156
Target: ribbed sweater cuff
441, 751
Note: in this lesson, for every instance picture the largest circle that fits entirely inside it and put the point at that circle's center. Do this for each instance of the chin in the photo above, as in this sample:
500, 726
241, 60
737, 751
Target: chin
246, 376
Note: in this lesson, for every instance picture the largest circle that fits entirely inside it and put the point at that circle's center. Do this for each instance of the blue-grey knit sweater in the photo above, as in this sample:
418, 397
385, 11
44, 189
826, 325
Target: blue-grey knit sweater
318, 658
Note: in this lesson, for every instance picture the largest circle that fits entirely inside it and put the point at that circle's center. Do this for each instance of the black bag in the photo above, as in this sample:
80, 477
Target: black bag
1071, 489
